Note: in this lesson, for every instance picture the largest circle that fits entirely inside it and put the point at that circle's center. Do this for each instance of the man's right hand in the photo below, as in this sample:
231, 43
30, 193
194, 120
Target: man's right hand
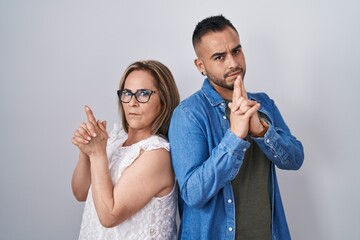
241, 109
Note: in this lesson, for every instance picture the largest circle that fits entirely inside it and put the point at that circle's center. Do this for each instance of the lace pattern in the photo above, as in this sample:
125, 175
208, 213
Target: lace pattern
154, 221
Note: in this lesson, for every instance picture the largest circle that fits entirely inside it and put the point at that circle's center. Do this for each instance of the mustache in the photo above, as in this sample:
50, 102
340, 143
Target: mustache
236, 70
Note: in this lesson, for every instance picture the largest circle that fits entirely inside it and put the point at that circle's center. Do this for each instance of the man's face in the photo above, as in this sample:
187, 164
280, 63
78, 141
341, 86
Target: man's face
220, 56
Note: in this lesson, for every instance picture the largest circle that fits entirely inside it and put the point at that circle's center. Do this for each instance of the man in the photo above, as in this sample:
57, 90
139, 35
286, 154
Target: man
225, 144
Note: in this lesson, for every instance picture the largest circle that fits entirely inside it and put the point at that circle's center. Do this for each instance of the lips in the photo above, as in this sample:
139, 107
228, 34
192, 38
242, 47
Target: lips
233, 74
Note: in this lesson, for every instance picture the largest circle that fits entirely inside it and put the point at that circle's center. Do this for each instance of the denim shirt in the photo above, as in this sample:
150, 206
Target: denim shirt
206, 156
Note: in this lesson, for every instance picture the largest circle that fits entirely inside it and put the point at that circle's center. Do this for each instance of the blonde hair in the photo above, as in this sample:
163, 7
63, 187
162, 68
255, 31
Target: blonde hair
168, 92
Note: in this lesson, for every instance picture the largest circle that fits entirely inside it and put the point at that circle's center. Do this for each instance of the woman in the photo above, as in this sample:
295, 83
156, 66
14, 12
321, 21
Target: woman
126, 177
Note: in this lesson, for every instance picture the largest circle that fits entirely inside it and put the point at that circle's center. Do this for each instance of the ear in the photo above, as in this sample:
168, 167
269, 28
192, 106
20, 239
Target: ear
199, 65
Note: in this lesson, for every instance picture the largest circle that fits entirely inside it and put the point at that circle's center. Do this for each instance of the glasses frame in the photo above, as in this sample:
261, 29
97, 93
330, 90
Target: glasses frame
119, 93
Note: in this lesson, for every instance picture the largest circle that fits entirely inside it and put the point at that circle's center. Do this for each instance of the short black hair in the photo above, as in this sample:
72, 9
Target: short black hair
210, 24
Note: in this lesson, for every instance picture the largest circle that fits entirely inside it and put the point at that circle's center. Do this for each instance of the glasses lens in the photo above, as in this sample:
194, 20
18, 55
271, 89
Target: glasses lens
143, 96
125, 96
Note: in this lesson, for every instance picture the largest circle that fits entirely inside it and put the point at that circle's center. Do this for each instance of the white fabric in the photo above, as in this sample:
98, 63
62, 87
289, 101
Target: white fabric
155, 221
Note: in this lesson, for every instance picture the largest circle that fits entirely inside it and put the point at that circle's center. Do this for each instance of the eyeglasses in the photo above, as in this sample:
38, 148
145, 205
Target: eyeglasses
141, 95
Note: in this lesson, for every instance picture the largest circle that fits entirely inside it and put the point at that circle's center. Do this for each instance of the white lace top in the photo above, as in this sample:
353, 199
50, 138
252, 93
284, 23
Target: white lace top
157, 220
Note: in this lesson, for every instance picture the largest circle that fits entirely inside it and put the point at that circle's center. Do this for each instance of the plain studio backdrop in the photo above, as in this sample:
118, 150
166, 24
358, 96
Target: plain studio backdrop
57, 56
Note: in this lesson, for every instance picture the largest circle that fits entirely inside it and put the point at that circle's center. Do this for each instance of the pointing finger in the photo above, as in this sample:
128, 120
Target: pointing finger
237, 89
90, 115
243, 90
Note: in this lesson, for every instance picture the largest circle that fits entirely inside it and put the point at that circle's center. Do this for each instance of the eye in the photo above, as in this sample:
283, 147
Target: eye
144, 93
127, 92
218, 58
237, 51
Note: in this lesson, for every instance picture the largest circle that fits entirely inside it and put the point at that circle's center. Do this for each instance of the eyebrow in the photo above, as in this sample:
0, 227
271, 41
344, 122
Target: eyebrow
140, 89
224, 53
237, 47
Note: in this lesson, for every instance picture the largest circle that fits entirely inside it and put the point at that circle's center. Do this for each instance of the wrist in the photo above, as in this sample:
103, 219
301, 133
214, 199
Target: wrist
97, 155
261, 133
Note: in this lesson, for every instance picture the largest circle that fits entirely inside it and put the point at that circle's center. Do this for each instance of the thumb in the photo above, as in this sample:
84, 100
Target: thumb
102, 125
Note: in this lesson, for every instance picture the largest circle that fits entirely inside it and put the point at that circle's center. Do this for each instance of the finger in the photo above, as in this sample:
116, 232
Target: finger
89, 114
237, 104
237, 89
79, 140
242, 110
84, 126
90, 126
81, 132
245, 105
243, 90
74, 142
102, 125
253, 110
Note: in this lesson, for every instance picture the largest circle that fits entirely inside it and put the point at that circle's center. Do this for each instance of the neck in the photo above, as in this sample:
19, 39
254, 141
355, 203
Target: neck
136, 136
225, 93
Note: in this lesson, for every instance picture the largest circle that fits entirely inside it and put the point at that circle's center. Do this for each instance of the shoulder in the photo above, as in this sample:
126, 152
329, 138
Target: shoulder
193, 106
154, 160
154, 142
189, 101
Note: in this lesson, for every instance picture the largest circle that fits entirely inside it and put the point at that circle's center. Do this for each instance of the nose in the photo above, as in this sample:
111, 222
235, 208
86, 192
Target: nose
133, 102
232, 63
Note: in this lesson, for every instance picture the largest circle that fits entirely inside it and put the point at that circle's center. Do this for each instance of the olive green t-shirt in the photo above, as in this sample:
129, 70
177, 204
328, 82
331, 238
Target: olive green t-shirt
251, 193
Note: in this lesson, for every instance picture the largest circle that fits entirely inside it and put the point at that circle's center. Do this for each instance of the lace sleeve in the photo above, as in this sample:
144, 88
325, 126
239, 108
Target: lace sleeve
156, 142
116, 137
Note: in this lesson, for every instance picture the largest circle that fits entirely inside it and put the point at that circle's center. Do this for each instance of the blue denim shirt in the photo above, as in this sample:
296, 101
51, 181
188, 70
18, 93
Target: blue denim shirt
206, 156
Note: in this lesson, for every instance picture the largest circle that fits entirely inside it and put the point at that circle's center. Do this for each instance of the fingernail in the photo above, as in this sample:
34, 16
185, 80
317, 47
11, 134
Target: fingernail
88, 138
94, 134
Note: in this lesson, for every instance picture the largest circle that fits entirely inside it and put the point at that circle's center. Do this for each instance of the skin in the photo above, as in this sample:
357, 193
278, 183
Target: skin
221, 58
150, 175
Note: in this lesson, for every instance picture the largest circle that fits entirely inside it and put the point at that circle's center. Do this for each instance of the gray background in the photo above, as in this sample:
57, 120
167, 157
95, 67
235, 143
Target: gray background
56, 56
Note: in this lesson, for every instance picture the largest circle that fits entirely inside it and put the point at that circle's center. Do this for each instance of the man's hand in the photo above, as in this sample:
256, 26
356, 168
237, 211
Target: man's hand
242, 110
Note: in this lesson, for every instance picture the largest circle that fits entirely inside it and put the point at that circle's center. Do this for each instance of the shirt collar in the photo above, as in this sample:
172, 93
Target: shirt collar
211, 94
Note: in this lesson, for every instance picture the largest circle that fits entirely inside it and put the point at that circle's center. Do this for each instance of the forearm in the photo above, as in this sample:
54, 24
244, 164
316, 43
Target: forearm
278, 144
198, 184
81, 178
102, 190
283, 149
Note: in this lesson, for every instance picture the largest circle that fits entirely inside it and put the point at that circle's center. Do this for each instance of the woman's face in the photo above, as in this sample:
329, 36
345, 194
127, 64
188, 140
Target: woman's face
141, 116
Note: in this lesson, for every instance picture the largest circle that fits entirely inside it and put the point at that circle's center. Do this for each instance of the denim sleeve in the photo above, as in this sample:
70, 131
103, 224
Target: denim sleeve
278, 144
201, 171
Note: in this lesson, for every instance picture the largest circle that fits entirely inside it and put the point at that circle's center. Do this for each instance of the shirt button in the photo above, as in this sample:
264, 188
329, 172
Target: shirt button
230, 229
229, 201
224, 117
275, 156
244, 150
268, 140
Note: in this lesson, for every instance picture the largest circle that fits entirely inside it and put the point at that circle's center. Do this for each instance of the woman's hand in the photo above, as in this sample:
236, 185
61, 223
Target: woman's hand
91, 137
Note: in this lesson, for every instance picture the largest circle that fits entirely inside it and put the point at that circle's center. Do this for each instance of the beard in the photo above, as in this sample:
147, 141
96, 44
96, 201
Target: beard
221, 81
